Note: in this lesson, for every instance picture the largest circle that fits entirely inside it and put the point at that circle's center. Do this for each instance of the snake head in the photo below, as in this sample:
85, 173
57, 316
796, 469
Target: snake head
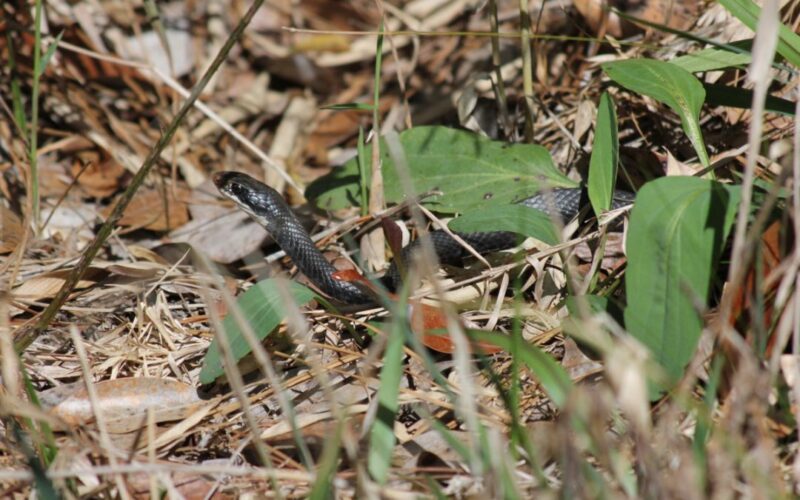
258, 200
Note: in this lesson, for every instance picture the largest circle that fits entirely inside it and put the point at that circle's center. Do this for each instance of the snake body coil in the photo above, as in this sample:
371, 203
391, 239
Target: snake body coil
267, 207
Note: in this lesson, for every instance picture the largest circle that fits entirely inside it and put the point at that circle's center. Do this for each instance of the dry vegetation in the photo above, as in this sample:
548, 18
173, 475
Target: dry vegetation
131, 335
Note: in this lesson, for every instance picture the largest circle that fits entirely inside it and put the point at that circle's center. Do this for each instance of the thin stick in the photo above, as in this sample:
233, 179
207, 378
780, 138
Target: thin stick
443, 227
741, 253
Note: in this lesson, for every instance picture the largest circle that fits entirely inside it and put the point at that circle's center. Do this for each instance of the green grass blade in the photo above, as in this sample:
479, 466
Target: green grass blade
323, 486
748, 13
549, 373
33, 138
382, 438
48, 55
362, 160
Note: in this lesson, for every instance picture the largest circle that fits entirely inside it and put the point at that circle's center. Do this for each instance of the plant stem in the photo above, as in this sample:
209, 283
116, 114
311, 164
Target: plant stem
33, 187
527, 67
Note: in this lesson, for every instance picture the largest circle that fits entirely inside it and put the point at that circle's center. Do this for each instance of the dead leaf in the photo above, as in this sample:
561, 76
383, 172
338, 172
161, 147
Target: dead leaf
156, 210
222, 232
11, 230
125, 402
674, 14
578, 365
139, 270
188, 485
100, 177
45, 286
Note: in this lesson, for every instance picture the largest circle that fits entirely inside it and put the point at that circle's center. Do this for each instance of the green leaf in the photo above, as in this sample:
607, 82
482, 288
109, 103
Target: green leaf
51, 49
605, 156
678, 229
669, 84
723, 95
466, 168
262, 306
349, 105
518, 219
748, 13
712, 59
382, 439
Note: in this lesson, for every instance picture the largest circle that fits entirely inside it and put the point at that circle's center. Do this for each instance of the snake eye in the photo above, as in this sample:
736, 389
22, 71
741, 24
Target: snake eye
238, 191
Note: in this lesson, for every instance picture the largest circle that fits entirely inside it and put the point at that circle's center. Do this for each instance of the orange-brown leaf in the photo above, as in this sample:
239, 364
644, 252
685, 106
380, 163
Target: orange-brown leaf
124, 402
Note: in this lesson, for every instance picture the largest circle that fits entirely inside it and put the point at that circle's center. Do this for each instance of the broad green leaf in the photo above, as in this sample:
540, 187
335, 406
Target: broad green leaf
748, 12
468, 169
518, 219
381, 437
669, 84
605, 156
711, 59
677, 232
263, 308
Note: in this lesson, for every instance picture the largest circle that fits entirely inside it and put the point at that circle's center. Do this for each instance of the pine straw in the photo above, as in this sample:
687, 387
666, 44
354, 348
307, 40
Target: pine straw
145, 312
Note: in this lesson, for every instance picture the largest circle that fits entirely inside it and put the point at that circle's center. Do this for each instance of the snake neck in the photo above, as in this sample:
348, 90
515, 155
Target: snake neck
295, 241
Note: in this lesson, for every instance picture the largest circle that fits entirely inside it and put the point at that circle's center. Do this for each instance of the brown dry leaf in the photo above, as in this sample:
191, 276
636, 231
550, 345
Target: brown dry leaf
45, 286
773, 251
332, 130
147, 255
188, 485
146, 210
312, 425
53, 177
139, 270
11, 230
223, 233
101, 178
675, 14
578, 365
125, 402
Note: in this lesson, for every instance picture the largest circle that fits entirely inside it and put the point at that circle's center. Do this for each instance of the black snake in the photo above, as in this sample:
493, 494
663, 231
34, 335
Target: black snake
267, 207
